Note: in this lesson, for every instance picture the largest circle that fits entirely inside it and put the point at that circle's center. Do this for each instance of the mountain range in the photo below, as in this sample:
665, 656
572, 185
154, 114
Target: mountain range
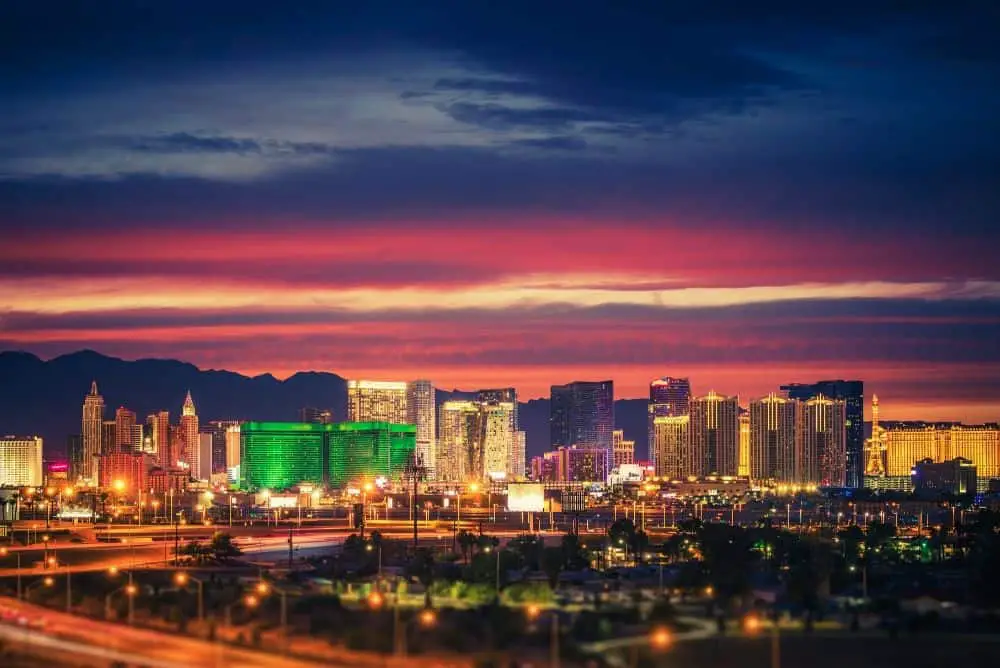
45, 398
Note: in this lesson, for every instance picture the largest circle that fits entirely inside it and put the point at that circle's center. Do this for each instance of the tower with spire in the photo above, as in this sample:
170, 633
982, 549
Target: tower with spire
875, 447
188, 433
90, 429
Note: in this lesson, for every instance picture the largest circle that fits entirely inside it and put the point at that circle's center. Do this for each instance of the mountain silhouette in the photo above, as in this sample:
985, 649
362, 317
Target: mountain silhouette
44, 398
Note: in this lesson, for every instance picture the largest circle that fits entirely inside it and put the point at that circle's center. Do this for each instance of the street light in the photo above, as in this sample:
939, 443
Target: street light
47, 581
375, 600
182, 579
660, 638
3, 553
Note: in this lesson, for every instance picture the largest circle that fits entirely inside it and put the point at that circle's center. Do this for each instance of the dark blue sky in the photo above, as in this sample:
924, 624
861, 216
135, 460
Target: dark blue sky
523, 193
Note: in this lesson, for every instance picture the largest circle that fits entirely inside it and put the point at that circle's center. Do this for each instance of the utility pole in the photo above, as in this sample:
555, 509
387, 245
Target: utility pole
417, 472
290, 548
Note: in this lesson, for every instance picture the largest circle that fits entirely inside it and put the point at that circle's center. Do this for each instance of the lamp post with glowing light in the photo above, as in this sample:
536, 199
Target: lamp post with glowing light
3, 553
182, 579
47, 581
263, 589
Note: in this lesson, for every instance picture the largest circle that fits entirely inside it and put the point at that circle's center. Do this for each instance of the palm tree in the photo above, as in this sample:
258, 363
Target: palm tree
222, 547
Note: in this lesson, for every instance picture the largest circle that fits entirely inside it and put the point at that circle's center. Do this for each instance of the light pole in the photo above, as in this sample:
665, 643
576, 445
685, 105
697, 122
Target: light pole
182, 579
3, 553
47, 581
265, 588
369, 548
487, 550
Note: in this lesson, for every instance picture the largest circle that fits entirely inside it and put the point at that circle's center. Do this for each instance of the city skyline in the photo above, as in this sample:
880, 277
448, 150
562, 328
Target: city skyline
421, 190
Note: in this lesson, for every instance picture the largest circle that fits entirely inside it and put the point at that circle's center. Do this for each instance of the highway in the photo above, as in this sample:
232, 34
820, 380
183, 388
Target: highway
55, 632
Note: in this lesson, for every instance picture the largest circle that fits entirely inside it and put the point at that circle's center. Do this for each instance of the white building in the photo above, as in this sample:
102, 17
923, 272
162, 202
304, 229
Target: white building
20, 461
421, 412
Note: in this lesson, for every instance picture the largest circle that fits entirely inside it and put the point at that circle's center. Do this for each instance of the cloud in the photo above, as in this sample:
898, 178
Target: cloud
559, 143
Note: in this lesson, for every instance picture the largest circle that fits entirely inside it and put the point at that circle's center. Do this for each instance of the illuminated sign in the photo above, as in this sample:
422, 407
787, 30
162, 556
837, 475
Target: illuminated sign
525, 497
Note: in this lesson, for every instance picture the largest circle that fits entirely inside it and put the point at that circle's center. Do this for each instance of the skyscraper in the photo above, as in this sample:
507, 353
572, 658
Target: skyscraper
500, 425
822, 437
518, 458
497, 434
189, 430
624, 451
376, 401
124, 433
459, 447
668, 397
93, 419
851, 392
672, 444
582, 414
74, 452
714, 434
772, 439
743, 468
158, 426
109, 437
21, 462
421, 411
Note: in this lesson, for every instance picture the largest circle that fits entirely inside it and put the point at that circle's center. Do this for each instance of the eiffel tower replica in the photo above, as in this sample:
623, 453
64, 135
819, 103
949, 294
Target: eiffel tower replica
415, 472
875, 451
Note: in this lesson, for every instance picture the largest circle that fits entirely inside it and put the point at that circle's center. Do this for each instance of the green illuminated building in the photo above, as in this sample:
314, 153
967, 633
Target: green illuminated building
280, 455
365, 450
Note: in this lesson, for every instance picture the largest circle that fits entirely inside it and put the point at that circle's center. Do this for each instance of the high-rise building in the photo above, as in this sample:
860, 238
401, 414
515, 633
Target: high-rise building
281, 455
518, 457
125, 474
363, 451
376, 401
124, 432
21, 461
109, 437
497, 434
851, 392
74, 453
189, 431
459, 444
668, 397
316, 415
233, 446
421, 411
624, 451
714, 434
508, 396
822, 441
582, 414
219, 430
158, 427
906, 443
743, 468
571, 465
773, 454
672, 444
201, 457
93, 419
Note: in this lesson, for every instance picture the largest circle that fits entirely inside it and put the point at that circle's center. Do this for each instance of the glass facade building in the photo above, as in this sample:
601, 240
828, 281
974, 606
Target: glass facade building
366, 450
851, 392
582, 415
280, 455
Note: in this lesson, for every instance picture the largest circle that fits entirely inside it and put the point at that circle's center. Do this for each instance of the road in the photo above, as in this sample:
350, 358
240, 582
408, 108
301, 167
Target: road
104, 641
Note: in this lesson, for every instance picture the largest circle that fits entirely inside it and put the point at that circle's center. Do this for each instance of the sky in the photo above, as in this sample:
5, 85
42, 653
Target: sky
512, 193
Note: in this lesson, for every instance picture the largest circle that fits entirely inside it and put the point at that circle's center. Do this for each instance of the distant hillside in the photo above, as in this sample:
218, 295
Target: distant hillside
45, 397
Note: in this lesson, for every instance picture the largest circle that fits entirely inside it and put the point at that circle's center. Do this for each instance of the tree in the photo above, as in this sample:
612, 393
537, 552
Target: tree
466, 541
528, 549
573, 554
552, 564
196, 551
222, 547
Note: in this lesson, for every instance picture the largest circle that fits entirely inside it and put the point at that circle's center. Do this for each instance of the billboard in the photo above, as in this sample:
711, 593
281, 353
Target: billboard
526, 497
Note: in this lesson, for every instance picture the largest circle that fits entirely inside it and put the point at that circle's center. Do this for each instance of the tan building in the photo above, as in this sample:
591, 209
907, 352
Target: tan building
91, 430
714, 435
20, 461
822, 441
672, 445
377, 401
743, 468
622, 450
773, 454
189, 432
